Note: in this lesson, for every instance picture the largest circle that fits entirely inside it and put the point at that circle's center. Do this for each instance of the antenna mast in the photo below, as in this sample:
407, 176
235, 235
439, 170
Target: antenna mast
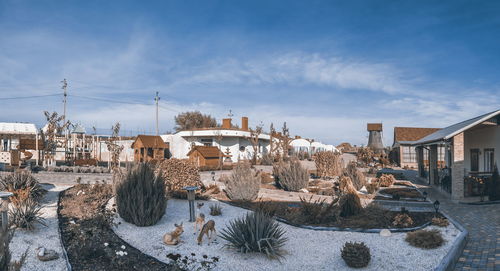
157, 99
65, 95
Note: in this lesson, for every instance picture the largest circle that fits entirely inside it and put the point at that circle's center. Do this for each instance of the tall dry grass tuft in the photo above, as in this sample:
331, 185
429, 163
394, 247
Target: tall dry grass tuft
243, 184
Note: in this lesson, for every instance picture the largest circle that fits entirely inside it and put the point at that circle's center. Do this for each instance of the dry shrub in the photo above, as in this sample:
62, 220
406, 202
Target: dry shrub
357, 177
328, 164
386, 180
317, 211
179, 173
372, 187
346, 186
402, 221
427, 239
350, 205
356, 255
141, 196
440, 222
215, 209
291, 176
365, 155
243, 184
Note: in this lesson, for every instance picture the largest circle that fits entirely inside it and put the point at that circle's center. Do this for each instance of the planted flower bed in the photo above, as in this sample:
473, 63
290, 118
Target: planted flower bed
88, 238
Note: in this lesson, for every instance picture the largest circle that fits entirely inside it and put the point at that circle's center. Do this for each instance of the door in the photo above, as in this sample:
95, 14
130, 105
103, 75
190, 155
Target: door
474, 160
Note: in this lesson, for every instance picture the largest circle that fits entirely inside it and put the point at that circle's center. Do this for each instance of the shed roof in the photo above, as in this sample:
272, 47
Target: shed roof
374, 127
452, 130
14, 128
207, 151
408, 134
149, 141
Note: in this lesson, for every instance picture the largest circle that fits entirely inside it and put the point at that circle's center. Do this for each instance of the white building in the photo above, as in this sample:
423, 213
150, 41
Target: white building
11, 135
300, 145
232, 141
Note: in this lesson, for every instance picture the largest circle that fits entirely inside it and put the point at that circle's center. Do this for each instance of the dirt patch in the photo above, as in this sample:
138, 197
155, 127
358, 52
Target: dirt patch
88, 238
372, 217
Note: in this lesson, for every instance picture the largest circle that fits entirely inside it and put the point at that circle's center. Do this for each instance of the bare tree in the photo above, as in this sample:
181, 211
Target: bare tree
194, 119
254, 140
285, 139
115, 150
54, 128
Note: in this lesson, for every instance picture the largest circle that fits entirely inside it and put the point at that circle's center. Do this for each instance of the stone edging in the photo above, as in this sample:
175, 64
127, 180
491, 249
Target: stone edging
449, 261
65, 253
480, 203
322, 228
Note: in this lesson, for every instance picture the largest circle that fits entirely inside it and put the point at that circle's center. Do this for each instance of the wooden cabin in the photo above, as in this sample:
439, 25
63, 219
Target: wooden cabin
148, 148
205, 155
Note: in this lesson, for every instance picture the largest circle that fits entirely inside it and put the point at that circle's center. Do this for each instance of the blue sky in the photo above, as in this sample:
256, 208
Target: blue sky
325, 67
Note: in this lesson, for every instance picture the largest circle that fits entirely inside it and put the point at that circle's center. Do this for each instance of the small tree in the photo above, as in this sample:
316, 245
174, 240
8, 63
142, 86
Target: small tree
115, 150
254, 140
194, 119
243, 184
284, 141
55, 126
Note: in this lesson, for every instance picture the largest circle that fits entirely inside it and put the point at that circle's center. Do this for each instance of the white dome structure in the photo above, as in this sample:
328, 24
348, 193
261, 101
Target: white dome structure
300, 145
317, 147
331, 148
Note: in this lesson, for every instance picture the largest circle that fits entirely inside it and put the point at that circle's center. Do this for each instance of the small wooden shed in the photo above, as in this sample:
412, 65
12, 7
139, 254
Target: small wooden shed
147, 148
205, 155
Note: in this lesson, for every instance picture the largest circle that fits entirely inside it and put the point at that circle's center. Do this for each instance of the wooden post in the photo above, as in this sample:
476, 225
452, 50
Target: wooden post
4, 196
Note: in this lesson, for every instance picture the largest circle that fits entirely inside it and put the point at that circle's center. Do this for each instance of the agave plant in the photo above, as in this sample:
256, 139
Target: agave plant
19, 181
26, 214
255, 232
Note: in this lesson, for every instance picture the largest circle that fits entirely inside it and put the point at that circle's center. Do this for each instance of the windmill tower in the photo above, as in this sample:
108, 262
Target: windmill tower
375, 137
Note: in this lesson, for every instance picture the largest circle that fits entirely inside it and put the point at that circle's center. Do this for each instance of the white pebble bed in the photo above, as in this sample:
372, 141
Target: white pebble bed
305, 249
42, 236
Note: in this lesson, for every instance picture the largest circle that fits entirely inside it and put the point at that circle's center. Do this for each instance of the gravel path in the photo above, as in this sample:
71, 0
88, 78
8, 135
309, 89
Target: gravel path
305, 250
47, 237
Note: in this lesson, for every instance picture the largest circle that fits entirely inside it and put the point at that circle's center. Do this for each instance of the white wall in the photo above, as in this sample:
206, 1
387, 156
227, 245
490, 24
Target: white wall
180, 145
484, 138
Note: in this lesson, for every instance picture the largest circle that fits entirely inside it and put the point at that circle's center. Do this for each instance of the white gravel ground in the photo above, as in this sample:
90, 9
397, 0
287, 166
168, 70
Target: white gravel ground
305, 250
47, 237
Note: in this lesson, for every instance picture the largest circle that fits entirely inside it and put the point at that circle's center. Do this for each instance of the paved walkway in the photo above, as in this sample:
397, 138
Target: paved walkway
482, 251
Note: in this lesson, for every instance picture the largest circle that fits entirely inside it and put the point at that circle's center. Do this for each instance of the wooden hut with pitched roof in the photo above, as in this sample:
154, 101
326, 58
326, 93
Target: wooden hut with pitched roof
148, 148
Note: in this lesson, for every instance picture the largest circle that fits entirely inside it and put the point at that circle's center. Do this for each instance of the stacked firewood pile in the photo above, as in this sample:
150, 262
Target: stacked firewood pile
328, 164
179, 174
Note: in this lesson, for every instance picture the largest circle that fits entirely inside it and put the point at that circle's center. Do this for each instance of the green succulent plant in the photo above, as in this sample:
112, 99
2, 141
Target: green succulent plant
255, 232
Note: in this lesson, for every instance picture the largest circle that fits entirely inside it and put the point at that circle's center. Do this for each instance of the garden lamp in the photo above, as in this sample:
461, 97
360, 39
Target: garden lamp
213, 176
436, 206
4, 196
191, 196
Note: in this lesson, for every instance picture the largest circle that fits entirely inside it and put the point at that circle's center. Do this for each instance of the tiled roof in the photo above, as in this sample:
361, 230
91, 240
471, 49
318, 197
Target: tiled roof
207, 151
402, 134
149, 141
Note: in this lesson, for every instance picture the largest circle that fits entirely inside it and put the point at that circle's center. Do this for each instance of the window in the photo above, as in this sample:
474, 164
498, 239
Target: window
474, 160
489, 160
150, 152
207, 142
409, 154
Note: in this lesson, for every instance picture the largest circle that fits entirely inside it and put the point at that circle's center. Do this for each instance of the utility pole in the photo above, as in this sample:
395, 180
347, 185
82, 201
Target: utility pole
65, 95
157, 99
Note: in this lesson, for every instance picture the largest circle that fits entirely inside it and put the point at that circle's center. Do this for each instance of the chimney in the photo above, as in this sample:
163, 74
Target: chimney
226, 123
244, 123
